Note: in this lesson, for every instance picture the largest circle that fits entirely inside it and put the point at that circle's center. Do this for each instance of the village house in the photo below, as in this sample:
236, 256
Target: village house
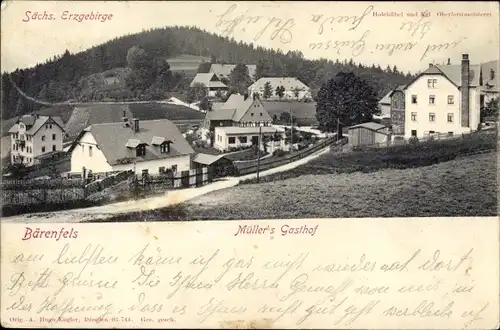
385, 105
211, 82
443, 99
84, 116
397, 110
149, 146
223, 71
34, 136
294, 89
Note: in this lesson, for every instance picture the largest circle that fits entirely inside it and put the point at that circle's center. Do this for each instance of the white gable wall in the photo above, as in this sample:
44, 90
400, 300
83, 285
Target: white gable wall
80, 156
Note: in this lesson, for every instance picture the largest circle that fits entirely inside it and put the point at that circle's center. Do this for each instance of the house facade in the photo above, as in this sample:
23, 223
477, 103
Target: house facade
237, 111
397, 110
385, 105
443, 99
211, 82
33, 136
230, 137
152, 146
223, 71
294, 89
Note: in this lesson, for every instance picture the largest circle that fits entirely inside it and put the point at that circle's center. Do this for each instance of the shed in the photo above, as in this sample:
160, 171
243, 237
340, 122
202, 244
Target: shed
218, 165
367, 134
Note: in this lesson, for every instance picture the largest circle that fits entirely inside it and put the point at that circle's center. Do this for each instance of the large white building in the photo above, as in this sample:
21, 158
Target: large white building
293, 88
444, 99
152, 146
33, 136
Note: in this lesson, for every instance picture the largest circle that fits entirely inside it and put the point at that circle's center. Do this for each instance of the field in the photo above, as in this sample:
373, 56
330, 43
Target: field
461, 187
305, 113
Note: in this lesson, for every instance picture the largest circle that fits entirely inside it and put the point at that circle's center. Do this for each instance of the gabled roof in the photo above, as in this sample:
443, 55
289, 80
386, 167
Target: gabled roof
84, 116
225, 69
386, 99
34, 122
486, 69
400, 88
289, 83
453, 73
370, 125
207, 79
117, 141
235, 108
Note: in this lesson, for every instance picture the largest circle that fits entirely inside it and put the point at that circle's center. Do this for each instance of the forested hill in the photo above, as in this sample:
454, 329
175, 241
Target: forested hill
66, 77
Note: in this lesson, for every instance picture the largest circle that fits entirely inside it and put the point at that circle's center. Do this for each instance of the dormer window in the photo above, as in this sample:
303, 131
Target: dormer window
140, 151
165, 147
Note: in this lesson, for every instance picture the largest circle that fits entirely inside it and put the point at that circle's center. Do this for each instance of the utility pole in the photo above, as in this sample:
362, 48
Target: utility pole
291, 134
258, 152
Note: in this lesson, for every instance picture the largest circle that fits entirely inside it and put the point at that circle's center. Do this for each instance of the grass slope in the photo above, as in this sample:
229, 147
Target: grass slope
466, 186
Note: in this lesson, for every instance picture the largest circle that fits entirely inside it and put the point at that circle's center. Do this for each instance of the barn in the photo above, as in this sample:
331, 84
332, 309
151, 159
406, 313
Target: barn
368, 134
218, 165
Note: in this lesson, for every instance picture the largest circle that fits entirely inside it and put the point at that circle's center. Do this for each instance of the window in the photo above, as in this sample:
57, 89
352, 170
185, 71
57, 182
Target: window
432, 116
432, 99
46, 126
492, 74
174, 168
43, 137
161, 169
251, 114
451, 99
140, 151
144, 173
413, 132
432, 132
232, 140
54, 147
43, 149
431, 83
414, 99
90, 151
164, 148
414, 116
243, 139
261, 114
53, 136
450, 133
450, 118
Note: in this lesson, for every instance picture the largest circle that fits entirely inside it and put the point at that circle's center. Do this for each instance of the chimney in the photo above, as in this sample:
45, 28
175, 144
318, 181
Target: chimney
430, 65
465, 76
136, 125
449, 62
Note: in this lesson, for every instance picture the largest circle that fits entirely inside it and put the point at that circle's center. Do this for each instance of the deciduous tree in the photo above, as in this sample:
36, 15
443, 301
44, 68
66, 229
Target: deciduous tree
345, 100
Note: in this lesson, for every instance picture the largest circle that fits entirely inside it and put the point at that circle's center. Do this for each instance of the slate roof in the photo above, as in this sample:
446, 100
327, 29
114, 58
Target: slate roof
36, 122
112, 140
225, 69
454, 73
206, 79
84, 116
370, 125
206, 159
289, 83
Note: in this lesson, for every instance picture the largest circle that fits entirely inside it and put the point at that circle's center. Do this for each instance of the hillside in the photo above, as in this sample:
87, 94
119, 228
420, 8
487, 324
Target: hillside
461, 187
71, 76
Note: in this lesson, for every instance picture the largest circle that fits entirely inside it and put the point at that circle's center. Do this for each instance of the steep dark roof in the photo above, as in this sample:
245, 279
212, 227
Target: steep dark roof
84, 116
35, 122
112, 140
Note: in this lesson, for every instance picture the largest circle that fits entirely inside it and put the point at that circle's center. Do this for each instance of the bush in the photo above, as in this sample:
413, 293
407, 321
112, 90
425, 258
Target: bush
413, 140
279, 153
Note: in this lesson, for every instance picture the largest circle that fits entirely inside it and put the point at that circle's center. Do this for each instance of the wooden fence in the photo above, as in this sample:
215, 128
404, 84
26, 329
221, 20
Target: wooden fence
55, 191
174, 180
272, 162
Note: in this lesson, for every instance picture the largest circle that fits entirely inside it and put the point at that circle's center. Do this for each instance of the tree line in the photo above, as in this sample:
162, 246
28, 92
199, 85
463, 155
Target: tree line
144, 56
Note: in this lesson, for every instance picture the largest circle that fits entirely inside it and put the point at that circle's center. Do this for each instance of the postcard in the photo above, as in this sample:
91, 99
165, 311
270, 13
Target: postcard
249, 164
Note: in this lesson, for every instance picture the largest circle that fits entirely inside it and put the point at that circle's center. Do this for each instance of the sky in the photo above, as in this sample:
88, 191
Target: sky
383, 33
